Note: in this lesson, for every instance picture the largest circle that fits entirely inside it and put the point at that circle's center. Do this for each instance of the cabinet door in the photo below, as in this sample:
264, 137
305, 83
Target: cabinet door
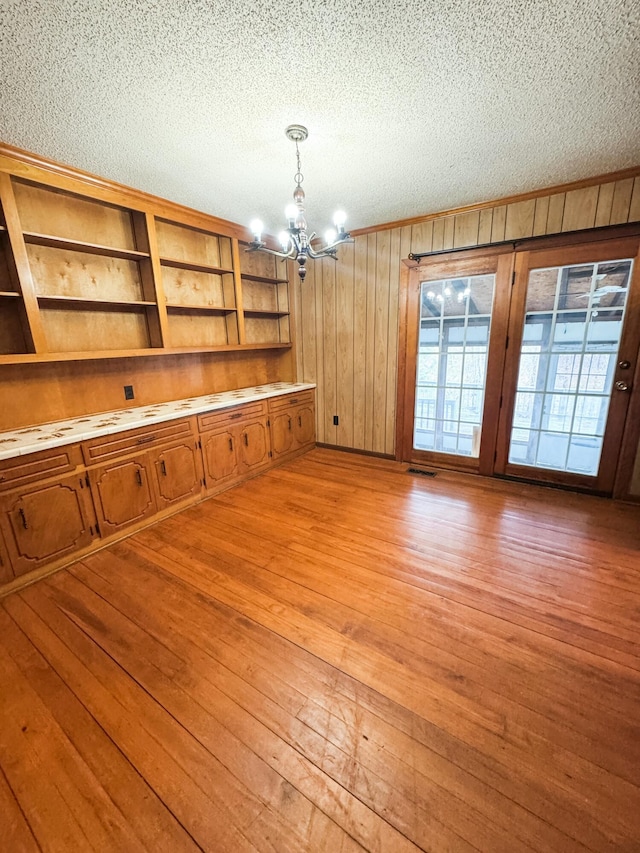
254, 446
122, 493
178, 474
282, 433
220, 455
47, 523
6, 572
304, 425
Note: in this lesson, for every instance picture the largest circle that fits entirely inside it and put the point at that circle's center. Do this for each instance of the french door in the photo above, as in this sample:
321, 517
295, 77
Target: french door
458, 316
520, 363
573, 340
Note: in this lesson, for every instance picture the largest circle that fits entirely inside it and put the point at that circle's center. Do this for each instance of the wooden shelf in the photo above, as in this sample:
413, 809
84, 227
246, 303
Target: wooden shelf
206, 309
264, 279
9, 293
79, 246
251, 312
30, 358
187, 265
88, 302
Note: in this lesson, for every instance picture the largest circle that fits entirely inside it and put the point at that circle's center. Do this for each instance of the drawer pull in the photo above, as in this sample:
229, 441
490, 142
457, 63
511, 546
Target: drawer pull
163, 468
146, 439
24, 519
2, 478
138, 477
292, 402
235, 415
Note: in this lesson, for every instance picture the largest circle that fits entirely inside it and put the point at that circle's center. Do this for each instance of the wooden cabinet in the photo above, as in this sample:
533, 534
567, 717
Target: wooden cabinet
42, 524
123, 493
55, 503
292, 418
235, 443
220, 457
135, 483
177, 474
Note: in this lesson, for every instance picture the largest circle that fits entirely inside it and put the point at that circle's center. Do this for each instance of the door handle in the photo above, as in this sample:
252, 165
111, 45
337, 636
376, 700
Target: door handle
289, 423
24, 519
621, 385
138, 477
299, 420
246, 440
163, 468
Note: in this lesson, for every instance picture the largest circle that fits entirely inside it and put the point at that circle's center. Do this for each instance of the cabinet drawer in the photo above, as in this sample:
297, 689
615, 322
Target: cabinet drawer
276, 404
232, 415
21, 470
122, 443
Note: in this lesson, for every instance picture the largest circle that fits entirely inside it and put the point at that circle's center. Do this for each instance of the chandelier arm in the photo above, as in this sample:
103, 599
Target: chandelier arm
261, 248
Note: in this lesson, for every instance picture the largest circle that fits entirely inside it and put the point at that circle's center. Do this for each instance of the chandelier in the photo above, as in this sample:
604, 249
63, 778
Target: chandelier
295, 241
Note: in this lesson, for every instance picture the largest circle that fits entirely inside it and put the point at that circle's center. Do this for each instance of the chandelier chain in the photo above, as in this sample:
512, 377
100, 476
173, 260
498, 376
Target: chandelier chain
298, 177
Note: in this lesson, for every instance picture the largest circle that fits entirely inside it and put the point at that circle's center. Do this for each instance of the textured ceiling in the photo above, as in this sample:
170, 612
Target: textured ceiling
412, 106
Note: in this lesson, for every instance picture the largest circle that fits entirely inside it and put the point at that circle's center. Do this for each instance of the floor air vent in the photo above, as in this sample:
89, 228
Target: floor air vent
420, 471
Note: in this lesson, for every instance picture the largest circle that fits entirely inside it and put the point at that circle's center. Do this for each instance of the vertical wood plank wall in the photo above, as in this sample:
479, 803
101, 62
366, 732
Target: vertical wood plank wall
347, 312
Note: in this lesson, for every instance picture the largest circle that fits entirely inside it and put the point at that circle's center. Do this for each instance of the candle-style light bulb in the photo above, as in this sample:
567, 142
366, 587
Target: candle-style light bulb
330, 236
339, 218
284, 240
256, 227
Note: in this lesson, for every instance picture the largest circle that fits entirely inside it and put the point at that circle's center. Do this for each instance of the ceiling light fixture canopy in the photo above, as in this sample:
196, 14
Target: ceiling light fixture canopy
295, 240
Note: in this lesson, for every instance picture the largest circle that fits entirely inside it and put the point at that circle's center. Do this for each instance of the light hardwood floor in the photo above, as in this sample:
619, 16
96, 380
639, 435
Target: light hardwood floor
334, 656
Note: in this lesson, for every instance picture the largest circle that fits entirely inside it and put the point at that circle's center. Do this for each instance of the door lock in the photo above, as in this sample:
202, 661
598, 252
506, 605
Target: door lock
624, 365
622, 386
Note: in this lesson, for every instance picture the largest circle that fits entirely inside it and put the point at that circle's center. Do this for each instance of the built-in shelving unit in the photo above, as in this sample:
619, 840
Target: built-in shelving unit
265, 295
92, 273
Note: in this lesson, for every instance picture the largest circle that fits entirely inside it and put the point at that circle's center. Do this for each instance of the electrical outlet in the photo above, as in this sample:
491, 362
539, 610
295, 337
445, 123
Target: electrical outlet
128, 392
336, 420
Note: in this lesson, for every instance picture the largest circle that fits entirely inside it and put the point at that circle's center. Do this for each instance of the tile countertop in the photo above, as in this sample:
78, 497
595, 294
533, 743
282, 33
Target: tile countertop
25, 440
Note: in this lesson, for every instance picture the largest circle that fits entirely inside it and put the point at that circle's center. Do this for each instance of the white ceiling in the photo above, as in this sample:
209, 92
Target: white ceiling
412, 107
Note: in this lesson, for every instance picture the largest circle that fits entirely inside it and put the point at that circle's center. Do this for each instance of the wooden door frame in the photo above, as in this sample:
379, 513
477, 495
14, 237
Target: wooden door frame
630, 440
496, 261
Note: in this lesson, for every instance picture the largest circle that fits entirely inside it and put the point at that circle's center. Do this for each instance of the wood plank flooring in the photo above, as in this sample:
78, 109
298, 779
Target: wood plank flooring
335, 656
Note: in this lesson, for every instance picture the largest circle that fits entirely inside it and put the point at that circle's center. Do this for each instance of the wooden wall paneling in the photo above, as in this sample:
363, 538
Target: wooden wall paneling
400, 246
437, 244
422, 237
401, 381
147, 241
39, 393
605, 200
345, 354
361, 249
447, 238
621, 201
381, 340
519, 219
580, 208
540, 216
556, 213
295, 307
370, 335
634, 206
499, 223
484, 226
330, 347
307, 344
466, 229
314, 282
20, 269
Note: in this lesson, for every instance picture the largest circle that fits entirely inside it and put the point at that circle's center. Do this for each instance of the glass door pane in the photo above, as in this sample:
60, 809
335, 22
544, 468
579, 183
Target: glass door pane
572, 328
451, 370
